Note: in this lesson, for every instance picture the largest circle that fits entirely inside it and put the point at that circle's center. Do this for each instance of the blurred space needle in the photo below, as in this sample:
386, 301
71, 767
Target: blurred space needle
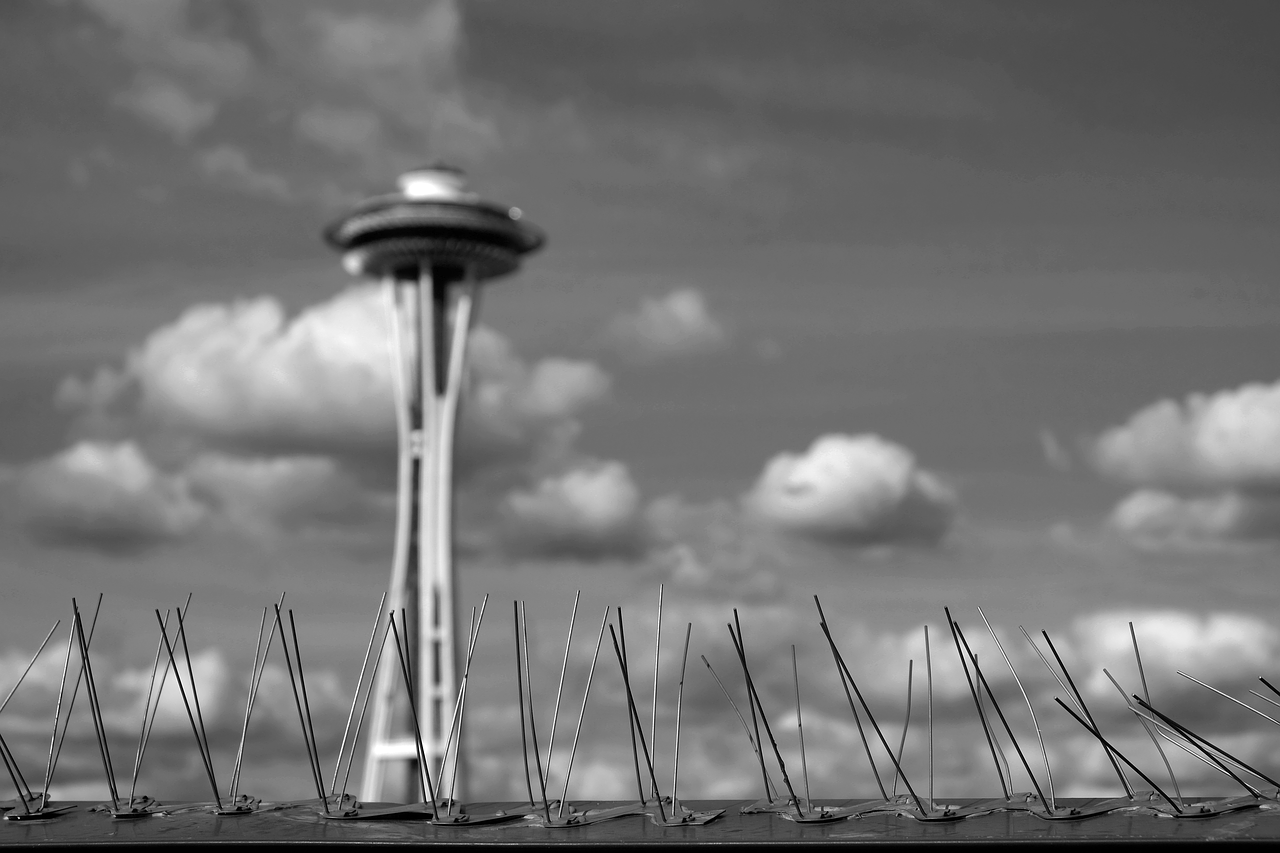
431, 244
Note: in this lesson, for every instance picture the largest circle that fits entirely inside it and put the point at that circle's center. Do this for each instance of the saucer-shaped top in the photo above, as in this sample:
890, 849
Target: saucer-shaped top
432, 221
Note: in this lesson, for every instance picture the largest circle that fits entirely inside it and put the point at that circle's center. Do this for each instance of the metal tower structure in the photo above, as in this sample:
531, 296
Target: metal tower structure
431, 244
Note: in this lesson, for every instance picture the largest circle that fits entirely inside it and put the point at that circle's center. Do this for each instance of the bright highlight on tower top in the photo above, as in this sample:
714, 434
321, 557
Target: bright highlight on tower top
433, 216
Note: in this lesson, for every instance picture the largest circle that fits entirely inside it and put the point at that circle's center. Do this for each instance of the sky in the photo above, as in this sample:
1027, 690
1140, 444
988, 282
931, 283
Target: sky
905, 305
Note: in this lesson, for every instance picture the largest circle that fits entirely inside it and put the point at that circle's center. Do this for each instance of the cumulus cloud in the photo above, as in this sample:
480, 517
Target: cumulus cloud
678, 324
1229, 439
245, 372
105, 496
591, 510
1221, 647
1208, 468
112, 497
513, 406
857, 489
246, 375
1159, 520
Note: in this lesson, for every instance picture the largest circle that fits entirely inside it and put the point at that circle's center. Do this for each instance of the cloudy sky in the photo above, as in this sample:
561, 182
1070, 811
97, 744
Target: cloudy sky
902, 304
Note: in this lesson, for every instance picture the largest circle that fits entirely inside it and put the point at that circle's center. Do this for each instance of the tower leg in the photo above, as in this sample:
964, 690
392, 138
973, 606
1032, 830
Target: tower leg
428, 359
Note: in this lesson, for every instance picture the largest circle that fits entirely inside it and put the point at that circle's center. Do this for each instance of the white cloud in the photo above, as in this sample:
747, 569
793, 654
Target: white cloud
1160, 520
229, 166
106, 496
858, 489
1218, 647
246, 375
1224, 448
1227, 439
677, 324
515, 410
111, 497
246, 372
590, 510
168, 105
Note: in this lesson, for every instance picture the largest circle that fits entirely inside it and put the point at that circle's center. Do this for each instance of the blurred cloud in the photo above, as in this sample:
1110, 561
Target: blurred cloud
268, 496
1056, 456
180, 37
112, 498
341, 130
1228, 439
170, 768
104, 496
1225, 649
856, 489
678, 324
1159, 520
1208, 468
375, 83
516, 411
1229, 650
229, 166
407, 67
169, 106
246, 375
273, 424
591, 511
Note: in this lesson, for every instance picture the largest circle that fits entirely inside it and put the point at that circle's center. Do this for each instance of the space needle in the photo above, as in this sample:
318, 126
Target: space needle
431, 244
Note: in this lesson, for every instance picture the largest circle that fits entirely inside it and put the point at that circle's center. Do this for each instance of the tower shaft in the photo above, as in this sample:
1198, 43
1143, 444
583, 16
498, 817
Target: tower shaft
431, 310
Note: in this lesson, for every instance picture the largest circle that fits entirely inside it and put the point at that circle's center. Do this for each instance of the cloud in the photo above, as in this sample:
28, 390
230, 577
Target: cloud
244, 372
1208, 468
278, 425
675, 325
174, 35
1228, 439
188, 61
589, 511
710, 550
856, 489
168, 106
112, 498
1159, 520
1222, 648
229, 166
407, 68
246, 375
341, 130
107, 497
171, 764
1056, 456
266, 497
